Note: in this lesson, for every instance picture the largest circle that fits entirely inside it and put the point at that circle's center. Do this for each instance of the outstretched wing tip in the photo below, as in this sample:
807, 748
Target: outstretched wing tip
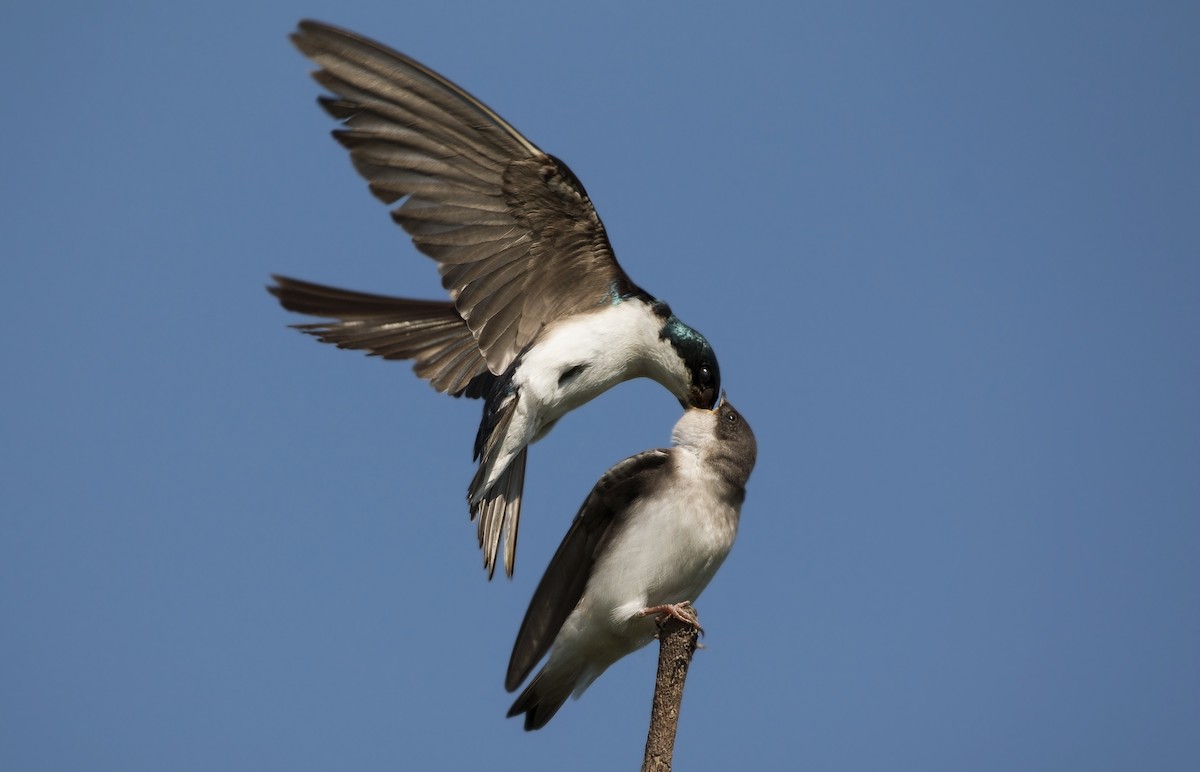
473, 192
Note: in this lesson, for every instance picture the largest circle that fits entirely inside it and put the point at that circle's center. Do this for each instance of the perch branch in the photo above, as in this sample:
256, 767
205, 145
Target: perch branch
676, 644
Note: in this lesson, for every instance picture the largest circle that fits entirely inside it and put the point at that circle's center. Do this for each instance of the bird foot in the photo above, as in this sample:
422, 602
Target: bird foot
681, 611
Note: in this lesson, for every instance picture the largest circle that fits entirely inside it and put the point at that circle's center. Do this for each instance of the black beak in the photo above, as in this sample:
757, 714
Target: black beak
703, 397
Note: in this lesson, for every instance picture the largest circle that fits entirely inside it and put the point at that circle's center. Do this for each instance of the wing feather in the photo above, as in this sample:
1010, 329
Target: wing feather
518, 241
430, 333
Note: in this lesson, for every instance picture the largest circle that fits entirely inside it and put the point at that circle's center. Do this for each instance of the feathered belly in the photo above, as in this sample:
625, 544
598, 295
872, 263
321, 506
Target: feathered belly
669, 554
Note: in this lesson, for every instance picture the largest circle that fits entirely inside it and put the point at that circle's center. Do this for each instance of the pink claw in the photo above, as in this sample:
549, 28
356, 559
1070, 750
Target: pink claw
681, 611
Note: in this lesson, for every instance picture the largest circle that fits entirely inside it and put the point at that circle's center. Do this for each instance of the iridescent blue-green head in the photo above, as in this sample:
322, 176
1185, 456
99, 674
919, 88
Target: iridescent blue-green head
703, 388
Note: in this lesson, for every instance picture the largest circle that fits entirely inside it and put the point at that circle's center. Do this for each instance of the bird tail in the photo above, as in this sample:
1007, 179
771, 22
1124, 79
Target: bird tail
431, 333
498, 511
542, 699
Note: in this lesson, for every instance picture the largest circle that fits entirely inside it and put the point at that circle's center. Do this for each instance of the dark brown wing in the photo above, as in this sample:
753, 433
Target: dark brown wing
515, 235
430, 333
567, 575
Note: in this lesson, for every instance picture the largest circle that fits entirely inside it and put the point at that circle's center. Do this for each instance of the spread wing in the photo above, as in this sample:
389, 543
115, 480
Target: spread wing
517, 240
567, 575
429, 332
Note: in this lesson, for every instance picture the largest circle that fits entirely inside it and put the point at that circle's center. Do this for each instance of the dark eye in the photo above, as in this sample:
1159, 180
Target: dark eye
732, 418
705, 375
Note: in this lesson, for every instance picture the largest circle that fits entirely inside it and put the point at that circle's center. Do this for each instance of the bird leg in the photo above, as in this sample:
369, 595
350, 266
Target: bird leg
681, 611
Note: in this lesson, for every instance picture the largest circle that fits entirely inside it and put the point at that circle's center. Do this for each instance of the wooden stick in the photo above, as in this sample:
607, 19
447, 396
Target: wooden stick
676, 644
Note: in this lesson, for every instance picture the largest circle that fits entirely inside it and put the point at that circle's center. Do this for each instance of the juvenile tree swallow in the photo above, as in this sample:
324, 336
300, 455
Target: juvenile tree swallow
542, 319
648, 539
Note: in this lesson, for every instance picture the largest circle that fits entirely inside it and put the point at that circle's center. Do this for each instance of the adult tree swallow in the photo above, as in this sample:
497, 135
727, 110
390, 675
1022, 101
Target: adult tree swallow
648, 539
541, 318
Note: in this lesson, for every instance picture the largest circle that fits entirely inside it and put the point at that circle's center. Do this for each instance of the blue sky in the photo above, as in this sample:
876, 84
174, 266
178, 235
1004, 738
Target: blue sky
949, 257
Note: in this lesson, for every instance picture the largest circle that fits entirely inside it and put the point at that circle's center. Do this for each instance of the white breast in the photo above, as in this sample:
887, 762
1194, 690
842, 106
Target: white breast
614, 344
671, 548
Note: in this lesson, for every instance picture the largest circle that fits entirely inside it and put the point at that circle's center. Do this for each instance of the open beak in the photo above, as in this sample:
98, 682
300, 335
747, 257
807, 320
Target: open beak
704, 398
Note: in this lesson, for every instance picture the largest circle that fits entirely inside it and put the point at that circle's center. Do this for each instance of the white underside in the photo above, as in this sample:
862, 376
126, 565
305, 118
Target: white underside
617, 343
669, 553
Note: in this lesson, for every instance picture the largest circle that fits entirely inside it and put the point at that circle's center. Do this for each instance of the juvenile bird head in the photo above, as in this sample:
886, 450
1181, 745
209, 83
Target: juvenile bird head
722, 437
